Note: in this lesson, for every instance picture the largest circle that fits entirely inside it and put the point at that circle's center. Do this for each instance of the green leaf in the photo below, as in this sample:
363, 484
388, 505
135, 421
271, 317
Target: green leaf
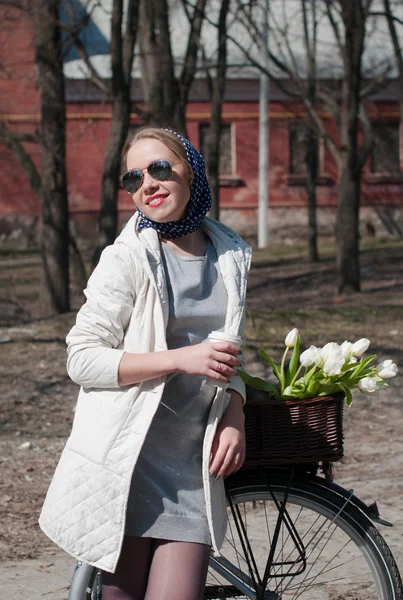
274, 365
309, 374
293, 366
259, 384
361, 366
347, 391
313, 387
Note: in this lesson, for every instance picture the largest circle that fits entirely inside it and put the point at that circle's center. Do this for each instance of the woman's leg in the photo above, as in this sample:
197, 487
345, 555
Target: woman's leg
129, 582
178, 571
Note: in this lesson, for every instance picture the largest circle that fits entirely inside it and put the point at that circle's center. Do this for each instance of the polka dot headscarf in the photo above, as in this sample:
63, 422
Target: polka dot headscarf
199, 203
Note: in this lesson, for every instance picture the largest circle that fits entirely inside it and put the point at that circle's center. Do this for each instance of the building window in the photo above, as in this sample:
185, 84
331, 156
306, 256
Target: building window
298, 145
385, 157
226, 157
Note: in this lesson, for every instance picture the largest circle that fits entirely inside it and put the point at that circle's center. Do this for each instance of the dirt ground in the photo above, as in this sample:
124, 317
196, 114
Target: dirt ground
37, 399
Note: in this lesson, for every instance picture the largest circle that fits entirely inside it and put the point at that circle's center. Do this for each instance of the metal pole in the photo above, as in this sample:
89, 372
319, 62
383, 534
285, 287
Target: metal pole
263, 192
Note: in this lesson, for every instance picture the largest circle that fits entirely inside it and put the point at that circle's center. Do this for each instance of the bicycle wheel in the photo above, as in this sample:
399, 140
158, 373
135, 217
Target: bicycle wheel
86, 583
324, 547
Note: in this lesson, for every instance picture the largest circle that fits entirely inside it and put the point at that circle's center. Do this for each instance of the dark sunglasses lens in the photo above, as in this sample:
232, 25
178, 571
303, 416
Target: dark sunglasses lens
160, 170
132, 181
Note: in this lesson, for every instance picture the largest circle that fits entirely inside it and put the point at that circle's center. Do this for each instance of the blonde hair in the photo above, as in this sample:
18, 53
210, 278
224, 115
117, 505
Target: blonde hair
168, 138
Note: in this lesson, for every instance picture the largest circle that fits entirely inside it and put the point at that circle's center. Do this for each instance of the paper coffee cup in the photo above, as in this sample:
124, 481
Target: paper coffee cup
222, 336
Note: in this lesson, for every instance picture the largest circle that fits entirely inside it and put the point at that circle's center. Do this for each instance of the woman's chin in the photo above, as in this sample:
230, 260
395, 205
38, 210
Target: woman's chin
159, 217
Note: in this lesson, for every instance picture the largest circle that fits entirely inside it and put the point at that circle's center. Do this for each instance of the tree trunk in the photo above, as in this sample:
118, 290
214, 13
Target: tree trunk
347, 231
55, 218
122, 51
310, 42
214, 131
161, 88
347, 217
312, 172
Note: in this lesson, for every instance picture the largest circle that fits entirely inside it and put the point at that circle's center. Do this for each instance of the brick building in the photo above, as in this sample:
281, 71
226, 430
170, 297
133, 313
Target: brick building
88, 121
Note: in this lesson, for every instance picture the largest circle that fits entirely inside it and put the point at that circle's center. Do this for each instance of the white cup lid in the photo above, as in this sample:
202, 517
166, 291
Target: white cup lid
225, 337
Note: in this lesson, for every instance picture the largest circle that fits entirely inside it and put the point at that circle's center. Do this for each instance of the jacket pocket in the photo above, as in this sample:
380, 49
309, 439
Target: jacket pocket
97, 422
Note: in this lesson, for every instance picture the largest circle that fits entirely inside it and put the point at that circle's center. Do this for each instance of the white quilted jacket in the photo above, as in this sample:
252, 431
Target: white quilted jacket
127, 310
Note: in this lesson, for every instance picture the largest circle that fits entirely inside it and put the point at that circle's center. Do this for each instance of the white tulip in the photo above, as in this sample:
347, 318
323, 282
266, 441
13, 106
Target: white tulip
387, 369
360, 346
367, 385
353, 360
346, 348
291, 338
310, 356
334, 362
328, 348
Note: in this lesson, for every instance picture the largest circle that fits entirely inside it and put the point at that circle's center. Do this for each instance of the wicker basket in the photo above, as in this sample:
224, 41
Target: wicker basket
287, 432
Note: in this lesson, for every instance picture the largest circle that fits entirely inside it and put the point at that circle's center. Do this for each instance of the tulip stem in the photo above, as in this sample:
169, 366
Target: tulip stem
295, 376
282, 382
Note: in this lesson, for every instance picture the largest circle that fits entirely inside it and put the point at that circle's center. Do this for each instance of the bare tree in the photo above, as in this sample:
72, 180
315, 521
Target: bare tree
117, 90
310, 42
393, 22
166, 94
48, 183
55, 217
122, 52
20, 143
348, 20
217, 98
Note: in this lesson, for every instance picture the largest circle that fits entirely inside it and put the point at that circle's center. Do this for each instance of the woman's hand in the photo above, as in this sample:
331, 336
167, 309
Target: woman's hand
228, 450
210, 359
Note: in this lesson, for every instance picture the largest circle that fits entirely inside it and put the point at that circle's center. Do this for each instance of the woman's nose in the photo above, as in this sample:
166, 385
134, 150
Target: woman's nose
148, 182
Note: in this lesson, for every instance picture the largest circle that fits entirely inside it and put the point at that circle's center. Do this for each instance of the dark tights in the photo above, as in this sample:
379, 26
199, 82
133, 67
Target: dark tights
151, 569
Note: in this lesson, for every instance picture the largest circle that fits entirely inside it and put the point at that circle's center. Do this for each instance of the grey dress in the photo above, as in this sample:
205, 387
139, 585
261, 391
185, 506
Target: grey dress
166, 498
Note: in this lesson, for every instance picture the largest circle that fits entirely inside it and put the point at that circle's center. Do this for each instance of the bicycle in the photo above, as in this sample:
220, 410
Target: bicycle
292, 533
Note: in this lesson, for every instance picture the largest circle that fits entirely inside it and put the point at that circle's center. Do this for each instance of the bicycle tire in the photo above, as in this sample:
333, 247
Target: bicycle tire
360, 564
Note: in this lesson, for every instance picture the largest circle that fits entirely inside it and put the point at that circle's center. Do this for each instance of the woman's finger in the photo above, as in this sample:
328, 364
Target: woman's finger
228, 464
235, 464
227, 359
222, 369
219, 460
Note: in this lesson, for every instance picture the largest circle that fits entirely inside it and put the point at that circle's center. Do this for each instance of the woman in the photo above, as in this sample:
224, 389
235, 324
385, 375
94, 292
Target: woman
139, 487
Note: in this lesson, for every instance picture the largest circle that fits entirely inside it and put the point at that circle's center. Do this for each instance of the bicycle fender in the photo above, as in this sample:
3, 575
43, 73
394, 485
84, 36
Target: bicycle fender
370, 510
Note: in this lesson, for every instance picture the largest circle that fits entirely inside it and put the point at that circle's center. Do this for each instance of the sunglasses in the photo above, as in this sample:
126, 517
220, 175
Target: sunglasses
160, 170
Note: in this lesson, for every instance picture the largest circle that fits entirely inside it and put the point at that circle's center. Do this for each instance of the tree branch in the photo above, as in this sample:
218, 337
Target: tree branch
335, 30
395, 42
384, 14
13, 141
321, 129
74, 30
196, 23
329, 98
129, 38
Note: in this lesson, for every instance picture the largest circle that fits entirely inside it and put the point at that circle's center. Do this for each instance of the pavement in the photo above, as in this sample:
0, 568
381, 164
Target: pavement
37, 579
